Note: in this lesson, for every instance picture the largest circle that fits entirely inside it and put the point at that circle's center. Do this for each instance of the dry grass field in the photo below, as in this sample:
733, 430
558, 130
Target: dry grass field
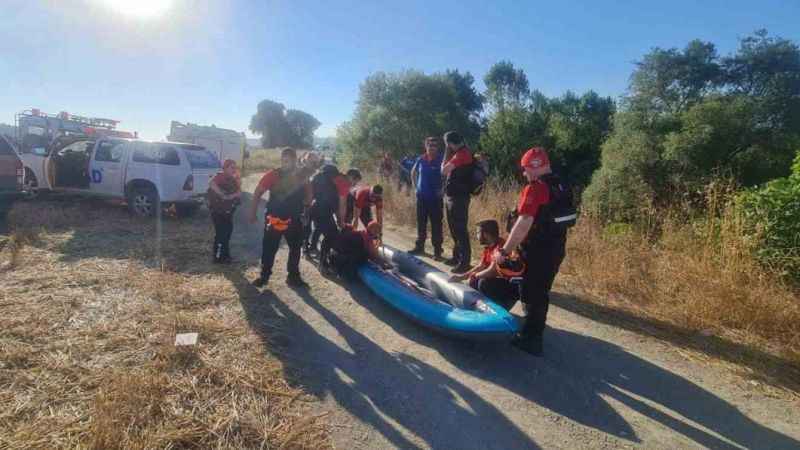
91, 301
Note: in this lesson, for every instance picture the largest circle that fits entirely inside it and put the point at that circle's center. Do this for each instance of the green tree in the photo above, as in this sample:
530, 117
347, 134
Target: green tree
395, 112
507, 135
772, 216
270, 122
506, 87
577, 127
669, 81
302, 126
691, 115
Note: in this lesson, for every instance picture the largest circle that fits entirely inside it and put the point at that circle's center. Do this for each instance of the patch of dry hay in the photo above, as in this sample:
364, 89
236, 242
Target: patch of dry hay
90, 312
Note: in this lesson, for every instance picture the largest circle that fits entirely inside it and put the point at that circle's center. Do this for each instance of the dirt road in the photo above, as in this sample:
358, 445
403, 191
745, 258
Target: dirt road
391, 383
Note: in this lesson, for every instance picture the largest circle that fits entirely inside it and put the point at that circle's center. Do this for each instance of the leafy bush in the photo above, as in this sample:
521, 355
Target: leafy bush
772, 215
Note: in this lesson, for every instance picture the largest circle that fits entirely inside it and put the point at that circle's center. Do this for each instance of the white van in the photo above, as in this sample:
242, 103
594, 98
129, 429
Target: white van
147, 175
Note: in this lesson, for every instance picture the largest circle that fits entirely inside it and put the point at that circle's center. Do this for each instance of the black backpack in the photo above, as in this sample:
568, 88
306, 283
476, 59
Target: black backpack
324, 188
558, 214
480, 172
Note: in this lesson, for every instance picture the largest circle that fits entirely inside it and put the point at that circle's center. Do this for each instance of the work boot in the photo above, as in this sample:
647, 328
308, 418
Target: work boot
529, 344
452, 261
261, 281
461, 268
437, 255
296, 281
417, 250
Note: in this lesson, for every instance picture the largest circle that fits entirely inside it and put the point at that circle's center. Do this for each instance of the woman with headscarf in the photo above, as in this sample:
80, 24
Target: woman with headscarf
224, 193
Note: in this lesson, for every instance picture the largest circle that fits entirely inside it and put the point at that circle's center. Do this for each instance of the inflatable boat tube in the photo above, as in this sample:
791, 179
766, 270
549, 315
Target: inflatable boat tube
422, 292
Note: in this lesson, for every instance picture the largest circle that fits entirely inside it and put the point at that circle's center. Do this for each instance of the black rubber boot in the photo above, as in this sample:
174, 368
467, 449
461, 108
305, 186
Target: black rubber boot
296, 281
261, 281
417, 250
529, 344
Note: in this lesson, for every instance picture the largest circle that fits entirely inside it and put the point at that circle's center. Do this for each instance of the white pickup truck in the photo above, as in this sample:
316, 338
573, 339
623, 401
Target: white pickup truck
147, 175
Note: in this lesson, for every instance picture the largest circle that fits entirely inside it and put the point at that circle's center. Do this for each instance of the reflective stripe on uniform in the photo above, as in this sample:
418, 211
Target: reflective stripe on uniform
565, 218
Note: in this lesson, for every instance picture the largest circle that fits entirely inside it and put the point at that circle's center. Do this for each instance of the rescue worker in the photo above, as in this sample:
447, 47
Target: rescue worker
330, 189
354, 176
289, 195
541, 238
224, 194
457, 170
485, 277
427, 178
309, 162
360, 202
352, 248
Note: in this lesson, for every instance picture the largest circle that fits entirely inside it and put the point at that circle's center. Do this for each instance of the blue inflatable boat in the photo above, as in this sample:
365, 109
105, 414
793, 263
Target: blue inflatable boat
424, 294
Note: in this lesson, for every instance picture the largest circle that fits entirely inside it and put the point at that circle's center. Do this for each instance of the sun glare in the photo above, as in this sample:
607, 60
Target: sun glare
139, 8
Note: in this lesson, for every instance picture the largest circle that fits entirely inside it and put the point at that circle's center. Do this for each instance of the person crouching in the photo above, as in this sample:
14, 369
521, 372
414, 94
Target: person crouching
224, 194
352, 248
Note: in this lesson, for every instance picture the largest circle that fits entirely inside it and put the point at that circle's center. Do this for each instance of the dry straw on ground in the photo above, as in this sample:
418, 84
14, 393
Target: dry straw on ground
90, 309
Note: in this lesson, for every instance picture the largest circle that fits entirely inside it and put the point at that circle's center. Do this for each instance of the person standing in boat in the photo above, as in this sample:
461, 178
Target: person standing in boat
544, 212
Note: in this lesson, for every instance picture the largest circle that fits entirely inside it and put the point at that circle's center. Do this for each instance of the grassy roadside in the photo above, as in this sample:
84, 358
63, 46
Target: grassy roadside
91, 304
694, 286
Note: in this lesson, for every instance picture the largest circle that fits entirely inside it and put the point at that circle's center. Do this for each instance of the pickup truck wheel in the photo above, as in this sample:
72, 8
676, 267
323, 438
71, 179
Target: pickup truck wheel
31, 185
144, 202
186, 209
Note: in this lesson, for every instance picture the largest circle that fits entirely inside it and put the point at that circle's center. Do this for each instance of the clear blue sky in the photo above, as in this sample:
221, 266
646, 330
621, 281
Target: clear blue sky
213, 63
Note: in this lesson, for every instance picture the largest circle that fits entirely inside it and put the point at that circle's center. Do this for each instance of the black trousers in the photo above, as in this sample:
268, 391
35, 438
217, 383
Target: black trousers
457, 209
499, 290
321, 219
223, 228
543, 262
325, 225
271, 242
429, 208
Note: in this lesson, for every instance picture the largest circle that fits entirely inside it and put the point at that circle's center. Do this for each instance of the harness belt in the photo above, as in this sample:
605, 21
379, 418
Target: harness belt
278, 224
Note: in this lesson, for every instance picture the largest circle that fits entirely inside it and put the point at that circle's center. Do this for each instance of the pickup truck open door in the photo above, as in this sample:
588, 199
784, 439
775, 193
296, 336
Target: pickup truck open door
107, 167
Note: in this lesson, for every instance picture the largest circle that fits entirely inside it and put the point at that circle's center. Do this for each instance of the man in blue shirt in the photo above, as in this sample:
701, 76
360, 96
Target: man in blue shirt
427, 178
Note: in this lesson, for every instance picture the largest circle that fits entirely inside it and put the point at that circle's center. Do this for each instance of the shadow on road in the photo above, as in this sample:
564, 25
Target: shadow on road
771, 369
390, 392
397, 391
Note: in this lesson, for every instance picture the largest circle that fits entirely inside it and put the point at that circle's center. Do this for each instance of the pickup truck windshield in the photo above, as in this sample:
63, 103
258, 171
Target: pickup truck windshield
200, 158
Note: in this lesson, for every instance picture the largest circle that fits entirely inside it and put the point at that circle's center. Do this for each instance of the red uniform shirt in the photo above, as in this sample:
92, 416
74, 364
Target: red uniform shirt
461, 157
272, 176
364, 199
532, 198
268, 180
226, 183
342, 185
487, 258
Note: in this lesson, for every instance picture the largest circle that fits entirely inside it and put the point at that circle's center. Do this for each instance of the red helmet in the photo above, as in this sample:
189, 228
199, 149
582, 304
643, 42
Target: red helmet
535, 157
